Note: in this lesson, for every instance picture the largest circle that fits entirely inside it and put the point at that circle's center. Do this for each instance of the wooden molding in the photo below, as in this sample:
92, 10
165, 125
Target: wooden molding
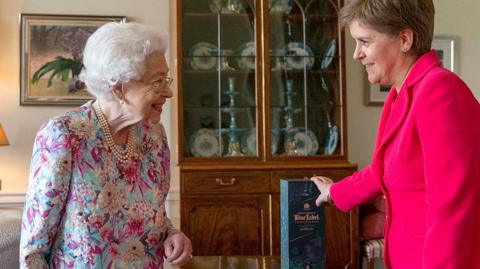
12, 200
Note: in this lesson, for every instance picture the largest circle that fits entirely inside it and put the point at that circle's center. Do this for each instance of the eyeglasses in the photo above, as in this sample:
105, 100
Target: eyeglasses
162, 83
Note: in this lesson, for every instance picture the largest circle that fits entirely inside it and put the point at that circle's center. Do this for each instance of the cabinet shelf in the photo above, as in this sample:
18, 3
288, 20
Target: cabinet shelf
293, 17
315, 56
215, 72
219, 107
221, 56
299, 71
298, 17
204, 15
278, 107
289, 72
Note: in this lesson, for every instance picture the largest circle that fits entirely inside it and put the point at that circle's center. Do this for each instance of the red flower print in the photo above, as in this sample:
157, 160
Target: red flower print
153, 238
135, 227
131, 172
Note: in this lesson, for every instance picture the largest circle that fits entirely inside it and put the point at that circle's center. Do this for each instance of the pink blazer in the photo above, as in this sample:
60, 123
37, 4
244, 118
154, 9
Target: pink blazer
427, 165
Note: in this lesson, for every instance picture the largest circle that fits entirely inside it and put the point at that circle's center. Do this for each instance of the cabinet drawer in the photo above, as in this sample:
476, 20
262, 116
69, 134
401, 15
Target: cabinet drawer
227, 224
226, 182
333, 174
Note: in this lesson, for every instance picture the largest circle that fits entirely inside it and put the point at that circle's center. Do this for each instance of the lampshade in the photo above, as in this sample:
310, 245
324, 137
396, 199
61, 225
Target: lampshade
3, 137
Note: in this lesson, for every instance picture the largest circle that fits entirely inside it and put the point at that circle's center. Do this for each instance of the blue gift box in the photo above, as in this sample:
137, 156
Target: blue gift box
302, 225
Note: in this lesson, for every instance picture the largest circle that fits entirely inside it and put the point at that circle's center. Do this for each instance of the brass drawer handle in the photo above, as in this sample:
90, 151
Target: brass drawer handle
226, 183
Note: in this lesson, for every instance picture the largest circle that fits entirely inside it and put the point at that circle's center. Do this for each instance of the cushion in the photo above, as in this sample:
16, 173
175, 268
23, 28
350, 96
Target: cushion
371, 226
372, 219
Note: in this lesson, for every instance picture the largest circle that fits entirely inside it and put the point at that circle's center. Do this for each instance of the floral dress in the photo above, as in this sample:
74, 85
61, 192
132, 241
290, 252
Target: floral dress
84, 209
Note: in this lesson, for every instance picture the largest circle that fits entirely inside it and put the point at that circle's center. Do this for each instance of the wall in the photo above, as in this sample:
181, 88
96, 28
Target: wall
459, 18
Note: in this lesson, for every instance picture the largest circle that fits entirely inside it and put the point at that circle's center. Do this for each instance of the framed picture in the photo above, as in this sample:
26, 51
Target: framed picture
376, 94
446, 51
445, 46
51, 48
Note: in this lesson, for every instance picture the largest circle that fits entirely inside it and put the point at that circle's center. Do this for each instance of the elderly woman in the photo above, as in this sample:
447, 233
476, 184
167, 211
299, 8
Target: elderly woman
100, 173
426, 161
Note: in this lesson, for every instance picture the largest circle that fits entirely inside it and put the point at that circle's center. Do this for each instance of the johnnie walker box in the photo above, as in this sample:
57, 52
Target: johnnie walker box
302, 225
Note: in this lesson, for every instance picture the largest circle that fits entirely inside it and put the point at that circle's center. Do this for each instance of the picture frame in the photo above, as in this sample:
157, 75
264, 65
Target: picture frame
376, 94
446, 48
51, 49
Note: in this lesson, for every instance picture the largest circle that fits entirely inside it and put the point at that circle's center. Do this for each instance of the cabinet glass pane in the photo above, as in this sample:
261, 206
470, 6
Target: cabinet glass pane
305, 87
219, 80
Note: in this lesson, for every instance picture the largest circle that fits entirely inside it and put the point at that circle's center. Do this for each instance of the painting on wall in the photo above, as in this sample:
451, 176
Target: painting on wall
376, 94
51, 57
445, 48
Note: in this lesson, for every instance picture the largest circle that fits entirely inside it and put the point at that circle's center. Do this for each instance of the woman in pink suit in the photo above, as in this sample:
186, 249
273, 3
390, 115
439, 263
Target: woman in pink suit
426, 161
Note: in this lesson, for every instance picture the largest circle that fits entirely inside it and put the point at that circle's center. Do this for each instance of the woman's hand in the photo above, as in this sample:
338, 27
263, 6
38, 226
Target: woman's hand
323, 185
178, 248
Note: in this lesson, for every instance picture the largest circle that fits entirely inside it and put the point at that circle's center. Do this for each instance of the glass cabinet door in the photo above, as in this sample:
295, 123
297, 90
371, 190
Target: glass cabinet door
304, 78
219, 81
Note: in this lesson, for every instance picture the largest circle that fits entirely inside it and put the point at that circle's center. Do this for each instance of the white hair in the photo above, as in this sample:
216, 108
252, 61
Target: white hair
116, 53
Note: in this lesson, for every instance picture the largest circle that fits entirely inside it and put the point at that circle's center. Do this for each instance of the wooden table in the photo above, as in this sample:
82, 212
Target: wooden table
233, 262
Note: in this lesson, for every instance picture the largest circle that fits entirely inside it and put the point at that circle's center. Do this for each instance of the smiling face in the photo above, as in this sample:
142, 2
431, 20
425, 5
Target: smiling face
145, 97
383, 56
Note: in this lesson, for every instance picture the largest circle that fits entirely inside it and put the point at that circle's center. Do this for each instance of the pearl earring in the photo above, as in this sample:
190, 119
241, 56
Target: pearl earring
122, 96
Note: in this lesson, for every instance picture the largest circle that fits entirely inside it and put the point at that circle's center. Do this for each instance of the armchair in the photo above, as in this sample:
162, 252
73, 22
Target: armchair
10, 221
372, 222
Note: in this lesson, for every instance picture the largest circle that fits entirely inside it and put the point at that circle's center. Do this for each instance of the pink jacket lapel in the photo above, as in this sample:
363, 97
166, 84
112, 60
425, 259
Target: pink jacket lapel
404, 100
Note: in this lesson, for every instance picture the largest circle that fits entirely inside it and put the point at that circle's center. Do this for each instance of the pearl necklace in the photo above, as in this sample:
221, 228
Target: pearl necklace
122, 155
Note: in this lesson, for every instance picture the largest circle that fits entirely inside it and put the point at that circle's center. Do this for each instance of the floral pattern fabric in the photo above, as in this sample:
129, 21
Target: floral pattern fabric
84, 209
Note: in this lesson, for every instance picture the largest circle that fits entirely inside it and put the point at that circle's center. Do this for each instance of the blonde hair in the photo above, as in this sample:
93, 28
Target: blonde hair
392, 16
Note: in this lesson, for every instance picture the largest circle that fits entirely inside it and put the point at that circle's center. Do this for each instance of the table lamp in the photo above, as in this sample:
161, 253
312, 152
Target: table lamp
3, 142
3, 137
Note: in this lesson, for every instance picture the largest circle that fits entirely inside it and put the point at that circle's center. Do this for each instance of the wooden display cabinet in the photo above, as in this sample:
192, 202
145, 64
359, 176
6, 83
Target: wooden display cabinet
261, 96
